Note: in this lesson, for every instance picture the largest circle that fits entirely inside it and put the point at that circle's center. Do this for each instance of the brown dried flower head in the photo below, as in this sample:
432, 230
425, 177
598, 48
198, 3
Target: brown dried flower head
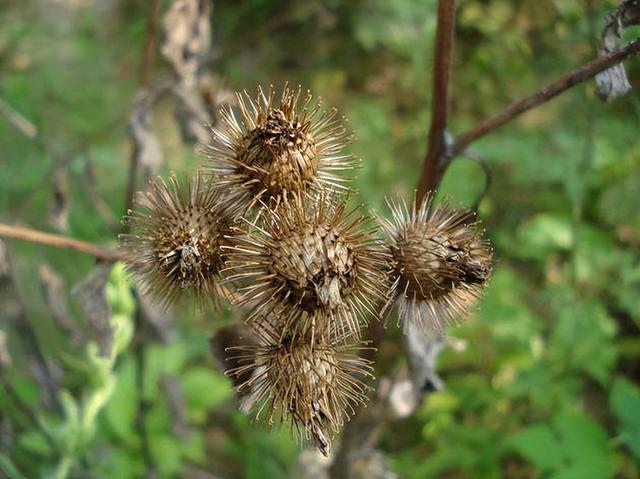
312, 263
278, 147
175, 240
440, 263
302, 380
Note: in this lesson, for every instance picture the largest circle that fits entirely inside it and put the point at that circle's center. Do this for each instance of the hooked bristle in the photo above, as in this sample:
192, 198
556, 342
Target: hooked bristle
311, 263
440, 265
175, 240
301, 379
276, 149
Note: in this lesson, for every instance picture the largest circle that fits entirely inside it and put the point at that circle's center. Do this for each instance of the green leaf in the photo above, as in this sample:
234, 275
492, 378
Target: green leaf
120, 411
539, 446
163, 359
574, 446
8, 468
35, 442
203, 388
625, 404
165, 452
543, 234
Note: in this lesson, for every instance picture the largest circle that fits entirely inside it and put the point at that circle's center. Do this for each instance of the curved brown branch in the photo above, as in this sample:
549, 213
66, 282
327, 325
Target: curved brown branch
545, 94
57, 241
441, 73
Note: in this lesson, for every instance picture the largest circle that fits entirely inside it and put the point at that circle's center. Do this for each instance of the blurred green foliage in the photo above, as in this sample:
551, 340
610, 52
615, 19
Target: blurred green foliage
548, 385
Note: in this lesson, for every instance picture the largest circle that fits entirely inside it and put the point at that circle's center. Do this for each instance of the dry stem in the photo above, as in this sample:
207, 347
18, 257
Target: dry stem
440, 96
58, 241
545, 94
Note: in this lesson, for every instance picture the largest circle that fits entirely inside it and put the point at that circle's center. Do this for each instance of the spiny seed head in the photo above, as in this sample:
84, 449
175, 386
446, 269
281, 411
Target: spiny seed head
312, 262
278, 147
300, 379
175, 240
440, 263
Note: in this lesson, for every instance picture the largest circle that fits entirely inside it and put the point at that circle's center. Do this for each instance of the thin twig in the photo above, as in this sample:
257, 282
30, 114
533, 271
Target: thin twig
443, 50
26, 127
545, 94
58, 241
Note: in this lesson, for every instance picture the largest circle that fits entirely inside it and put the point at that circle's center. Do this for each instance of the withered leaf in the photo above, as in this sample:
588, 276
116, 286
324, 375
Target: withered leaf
55, 295
58, 215
188, 37
147, 151
613, 82
90, 295
422, 352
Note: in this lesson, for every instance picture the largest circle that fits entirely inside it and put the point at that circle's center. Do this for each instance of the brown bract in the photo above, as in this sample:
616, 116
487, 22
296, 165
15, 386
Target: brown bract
276, 148
440, 263
175, 240
300, 379
312, 263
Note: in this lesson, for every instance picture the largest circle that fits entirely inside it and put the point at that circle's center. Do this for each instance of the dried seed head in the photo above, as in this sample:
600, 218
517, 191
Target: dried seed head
311, 263
279, 147
175, 240
440, 263
300, 379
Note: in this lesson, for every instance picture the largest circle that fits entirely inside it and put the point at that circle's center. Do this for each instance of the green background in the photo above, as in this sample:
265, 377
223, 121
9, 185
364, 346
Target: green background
548, 384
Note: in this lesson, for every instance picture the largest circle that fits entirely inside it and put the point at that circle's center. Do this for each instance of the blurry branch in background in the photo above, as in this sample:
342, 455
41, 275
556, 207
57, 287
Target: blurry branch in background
27, 128
545, 94
58, 241
14, 314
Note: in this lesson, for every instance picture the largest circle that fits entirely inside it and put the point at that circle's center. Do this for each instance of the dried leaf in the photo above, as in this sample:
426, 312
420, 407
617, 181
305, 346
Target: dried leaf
90, 295
147, 151
58, 215
422, 351
5, 358
55, 296
613, 82
188, 37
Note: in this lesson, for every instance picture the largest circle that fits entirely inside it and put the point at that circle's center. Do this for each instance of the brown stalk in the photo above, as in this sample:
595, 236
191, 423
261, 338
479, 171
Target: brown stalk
443, 50
360, 428
58, 241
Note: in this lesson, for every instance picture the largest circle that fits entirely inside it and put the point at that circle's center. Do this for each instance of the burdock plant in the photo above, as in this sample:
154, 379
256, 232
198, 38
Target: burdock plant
176, 233
271, 223
275, 147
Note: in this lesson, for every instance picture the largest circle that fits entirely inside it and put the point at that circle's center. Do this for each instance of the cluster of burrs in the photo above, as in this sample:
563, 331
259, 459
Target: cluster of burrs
266, 225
